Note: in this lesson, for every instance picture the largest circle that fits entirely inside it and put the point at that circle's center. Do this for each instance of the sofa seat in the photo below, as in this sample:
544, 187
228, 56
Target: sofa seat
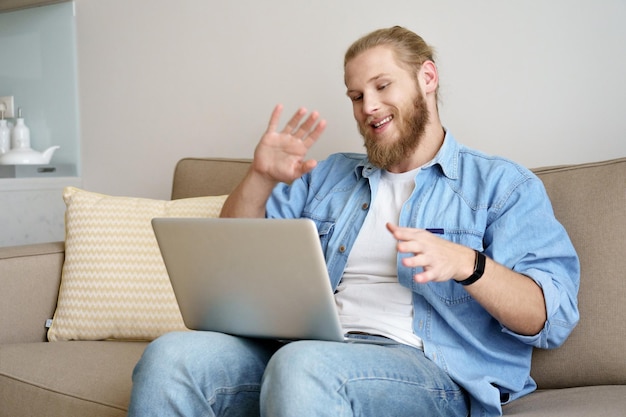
596, 401
73, 378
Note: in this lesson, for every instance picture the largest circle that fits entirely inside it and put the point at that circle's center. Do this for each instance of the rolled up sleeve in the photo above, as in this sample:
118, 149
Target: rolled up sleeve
541, 249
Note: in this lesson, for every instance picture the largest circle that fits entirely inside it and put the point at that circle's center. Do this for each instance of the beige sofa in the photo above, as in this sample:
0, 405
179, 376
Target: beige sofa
585, 377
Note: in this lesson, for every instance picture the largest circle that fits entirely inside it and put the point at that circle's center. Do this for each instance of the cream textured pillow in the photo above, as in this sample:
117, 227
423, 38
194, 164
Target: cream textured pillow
114, 284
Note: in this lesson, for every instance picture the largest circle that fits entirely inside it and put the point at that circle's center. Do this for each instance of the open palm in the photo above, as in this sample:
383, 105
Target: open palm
281, 155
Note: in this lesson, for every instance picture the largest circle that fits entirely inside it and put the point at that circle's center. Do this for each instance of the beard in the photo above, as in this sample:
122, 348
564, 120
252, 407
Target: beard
411, 129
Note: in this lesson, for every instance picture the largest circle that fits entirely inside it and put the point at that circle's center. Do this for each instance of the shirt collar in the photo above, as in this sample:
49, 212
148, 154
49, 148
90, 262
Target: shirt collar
447, 158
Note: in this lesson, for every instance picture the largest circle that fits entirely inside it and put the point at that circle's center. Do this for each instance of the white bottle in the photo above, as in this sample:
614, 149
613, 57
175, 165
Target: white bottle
20, 139
5, 137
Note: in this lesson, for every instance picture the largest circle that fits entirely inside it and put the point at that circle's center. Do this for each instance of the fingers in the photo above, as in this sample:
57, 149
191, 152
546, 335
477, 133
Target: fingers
430, 253
408, 241
281, 154
273, 124
315, 134
407, 235
308, 131
293, 126
392, 228
308, 166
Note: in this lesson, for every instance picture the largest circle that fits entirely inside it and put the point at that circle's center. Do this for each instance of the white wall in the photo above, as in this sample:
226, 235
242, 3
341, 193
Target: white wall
537, 81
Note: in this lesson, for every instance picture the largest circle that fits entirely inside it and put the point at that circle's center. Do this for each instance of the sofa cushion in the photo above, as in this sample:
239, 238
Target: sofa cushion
590, 201
67, 378
599, 401
114, 284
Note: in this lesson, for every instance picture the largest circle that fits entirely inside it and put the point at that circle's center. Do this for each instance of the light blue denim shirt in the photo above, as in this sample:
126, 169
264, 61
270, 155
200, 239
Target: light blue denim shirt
483, 202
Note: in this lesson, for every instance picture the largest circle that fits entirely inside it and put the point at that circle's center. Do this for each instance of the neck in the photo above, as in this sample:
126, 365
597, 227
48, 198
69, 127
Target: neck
427, 148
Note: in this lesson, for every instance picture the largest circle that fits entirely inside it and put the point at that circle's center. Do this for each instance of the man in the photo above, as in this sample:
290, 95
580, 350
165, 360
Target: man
453, 254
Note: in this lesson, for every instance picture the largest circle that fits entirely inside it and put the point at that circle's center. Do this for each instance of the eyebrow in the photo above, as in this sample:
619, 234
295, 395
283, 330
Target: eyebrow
374, 78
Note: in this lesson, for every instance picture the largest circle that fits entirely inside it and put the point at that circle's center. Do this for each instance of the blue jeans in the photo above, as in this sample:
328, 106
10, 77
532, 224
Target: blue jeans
213, 374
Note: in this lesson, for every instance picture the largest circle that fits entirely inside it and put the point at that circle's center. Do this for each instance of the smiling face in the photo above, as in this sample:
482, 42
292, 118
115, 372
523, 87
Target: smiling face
388, 105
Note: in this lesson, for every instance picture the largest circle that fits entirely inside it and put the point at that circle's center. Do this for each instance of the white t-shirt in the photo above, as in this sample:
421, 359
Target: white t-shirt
369, 297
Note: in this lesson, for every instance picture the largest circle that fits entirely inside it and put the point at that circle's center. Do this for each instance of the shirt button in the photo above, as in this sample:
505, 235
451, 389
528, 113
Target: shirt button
365, 206
342, 248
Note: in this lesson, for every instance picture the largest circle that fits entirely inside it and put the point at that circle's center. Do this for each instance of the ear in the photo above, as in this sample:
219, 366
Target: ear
428, 77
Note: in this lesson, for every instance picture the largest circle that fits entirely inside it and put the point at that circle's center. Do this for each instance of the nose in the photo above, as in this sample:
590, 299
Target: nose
371, 104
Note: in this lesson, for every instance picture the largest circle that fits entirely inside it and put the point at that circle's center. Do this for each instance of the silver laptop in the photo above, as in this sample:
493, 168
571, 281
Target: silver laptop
263, 278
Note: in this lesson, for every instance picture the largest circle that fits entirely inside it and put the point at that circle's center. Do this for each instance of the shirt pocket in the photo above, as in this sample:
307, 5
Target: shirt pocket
325, 229
451, 292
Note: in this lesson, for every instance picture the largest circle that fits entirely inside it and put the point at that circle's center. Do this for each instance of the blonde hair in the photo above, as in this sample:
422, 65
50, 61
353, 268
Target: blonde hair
409, 48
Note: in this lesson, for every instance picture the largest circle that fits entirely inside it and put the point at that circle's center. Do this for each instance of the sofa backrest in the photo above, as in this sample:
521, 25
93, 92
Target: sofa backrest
197, 177
590, 201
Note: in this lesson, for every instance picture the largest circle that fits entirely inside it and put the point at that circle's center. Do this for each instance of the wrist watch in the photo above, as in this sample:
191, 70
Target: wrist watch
479, 269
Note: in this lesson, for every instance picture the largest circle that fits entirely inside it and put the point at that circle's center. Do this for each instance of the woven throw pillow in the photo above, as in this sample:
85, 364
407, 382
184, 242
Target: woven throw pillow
114, 284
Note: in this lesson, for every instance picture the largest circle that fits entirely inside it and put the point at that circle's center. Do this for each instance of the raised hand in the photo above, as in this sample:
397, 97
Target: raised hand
280, 155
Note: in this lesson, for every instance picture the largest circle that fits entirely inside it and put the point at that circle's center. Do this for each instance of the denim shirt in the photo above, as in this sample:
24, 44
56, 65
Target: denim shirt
483, 202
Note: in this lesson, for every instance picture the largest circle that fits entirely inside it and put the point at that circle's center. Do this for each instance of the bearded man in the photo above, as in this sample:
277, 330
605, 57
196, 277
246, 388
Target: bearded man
451, 255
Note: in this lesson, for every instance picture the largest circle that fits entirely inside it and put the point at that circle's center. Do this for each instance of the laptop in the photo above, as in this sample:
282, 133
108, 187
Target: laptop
261, 278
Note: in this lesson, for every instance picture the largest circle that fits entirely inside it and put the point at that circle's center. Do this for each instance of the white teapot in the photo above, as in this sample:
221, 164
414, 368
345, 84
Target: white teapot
27, 156
21, 152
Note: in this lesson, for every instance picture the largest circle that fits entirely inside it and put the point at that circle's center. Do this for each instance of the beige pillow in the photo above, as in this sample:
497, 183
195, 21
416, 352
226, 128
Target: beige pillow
114, 284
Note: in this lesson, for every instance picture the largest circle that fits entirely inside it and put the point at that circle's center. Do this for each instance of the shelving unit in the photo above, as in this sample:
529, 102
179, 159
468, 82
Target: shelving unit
32, 209
10, 5
41, 75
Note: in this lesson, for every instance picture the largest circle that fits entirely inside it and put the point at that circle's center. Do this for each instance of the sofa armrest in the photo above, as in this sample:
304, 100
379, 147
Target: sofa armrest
30, 276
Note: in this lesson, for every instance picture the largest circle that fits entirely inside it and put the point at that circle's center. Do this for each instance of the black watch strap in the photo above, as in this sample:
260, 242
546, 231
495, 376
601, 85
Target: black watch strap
479, 269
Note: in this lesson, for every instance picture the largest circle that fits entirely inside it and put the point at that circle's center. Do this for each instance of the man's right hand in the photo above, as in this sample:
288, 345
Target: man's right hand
280, 155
